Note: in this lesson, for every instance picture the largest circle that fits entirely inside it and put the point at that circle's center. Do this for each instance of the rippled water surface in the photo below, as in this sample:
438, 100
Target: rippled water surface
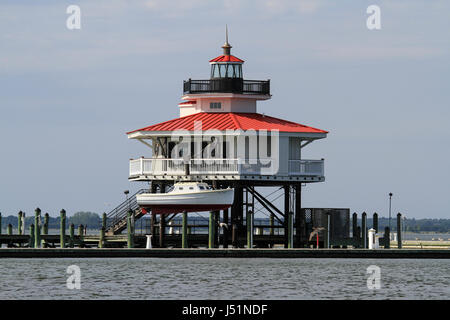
151, 278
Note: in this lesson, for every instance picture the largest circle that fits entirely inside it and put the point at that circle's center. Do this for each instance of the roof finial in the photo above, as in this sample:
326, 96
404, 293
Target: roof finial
226, 47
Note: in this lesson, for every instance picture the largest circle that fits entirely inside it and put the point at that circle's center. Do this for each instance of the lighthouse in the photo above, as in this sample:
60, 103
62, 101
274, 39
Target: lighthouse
221, 139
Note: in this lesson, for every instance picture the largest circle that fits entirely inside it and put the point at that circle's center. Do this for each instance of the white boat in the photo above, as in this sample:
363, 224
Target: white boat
187, 197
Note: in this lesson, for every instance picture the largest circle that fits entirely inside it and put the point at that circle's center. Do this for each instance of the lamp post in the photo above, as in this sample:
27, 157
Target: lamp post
390, 201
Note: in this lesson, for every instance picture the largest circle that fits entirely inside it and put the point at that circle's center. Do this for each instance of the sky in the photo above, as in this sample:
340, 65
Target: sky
67, 97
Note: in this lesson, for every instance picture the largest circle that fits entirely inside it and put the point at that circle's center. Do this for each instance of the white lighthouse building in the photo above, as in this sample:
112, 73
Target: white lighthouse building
220, 138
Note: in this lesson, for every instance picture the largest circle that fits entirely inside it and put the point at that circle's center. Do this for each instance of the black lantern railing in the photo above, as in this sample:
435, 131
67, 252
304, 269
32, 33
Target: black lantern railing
227, 85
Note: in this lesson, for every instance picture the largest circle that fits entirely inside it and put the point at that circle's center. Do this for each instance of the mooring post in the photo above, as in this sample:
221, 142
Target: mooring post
217, 229
225, 229
0, 223
290, 230
37, 228
104, 220
80, 235
287, 195
211, 229
387, 238
399, 230
19, 223
130, 236
9, 230
271, 224
364, 229
45, 227
71, 235
101, 241
62, 228
375, 222
162, 230
31, 241
184, 237
326, 243
355, 225
249, 216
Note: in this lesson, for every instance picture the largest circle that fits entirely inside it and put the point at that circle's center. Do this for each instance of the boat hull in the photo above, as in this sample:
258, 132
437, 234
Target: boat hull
186, 202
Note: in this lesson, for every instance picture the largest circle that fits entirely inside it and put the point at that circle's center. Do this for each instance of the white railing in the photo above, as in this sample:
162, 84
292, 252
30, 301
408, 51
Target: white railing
161, 166
306, 167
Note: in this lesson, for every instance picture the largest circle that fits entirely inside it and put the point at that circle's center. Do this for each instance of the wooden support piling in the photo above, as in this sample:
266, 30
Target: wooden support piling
211, 229
62, 228
387, 238
272, 224
290, 221
162, 230
45, 227
37, 228
375, 222
299, 217
130, 228
184, 230
31, 241
101, 241
226, 228
71, 235
286, 214
399, 230
355, 225
80, 235
364, 229
104, 220
249, 217
9, 230
0, 223
19, 223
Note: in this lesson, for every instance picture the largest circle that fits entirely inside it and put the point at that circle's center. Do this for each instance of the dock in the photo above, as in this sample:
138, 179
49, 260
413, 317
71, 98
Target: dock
223, 253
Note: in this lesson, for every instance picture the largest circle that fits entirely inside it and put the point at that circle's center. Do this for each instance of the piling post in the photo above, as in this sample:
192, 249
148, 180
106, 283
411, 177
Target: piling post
387, 238
101, 241
37, 228
211, 229
272, 223
358, 230
364, 229
9, 229
162, 230
19, 223
184, 236
80, 235
62, 228
0, 223
399, 230
31, 241
326, 243
355, 225
290, 221
130, 238
45, 227
104, 220
71, 235
249, 216
217, 229
225, 229
375, 222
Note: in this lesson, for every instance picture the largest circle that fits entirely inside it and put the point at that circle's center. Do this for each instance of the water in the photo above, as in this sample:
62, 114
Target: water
152, 278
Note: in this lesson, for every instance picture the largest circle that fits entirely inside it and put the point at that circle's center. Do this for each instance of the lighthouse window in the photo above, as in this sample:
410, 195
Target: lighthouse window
215, 105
